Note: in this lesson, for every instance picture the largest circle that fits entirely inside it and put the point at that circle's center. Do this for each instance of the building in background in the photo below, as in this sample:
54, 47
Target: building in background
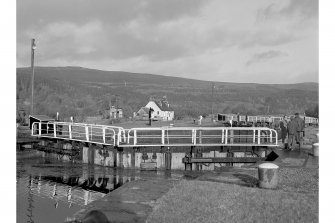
115, 113
161, 110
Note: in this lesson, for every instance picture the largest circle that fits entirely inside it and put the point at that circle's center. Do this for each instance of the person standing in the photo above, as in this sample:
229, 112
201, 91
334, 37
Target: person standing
292, 130
301, 129
283, 127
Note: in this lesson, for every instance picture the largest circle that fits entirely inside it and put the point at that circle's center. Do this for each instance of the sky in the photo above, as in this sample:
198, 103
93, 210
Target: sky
257, 41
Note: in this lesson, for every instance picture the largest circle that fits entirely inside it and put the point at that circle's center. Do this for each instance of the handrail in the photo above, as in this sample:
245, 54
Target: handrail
101, 134
196, 135
157, 136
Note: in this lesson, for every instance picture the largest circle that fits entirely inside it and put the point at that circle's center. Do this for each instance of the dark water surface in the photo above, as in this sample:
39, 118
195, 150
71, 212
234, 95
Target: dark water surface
49, 190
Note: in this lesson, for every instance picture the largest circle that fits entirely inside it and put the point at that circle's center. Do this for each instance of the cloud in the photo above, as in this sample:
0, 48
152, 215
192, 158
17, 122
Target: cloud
119, 29
195, 38
32, 13
303, 9
265, 56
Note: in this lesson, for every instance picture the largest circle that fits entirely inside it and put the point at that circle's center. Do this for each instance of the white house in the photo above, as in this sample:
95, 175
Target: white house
115, 113
161, 109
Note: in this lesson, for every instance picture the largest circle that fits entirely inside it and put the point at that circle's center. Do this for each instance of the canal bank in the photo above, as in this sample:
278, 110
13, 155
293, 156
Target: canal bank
134, 201
139, 200
229, 195
233, 195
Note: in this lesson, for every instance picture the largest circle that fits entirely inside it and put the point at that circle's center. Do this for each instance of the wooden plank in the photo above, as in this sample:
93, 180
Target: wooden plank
224, 160
204, 145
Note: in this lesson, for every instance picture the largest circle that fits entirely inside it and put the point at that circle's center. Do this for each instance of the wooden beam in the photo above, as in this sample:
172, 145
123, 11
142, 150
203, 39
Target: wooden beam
224, 160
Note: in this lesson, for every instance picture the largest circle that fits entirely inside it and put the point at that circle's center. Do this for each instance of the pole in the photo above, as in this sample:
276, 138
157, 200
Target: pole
212, 102
33, 47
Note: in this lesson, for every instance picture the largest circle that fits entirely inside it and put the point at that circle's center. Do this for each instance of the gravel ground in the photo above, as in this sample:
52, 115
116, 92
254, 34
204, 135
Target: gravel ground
295, 200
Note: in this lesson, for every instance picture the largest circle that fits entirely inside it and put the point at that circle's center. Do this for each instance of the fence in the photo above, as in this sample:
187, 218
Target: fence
164, 136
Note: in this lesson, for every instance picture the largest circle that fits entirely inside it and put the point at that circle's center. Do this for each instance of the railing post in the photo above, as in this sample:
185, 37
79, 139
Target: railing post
128, 141
222, 136
194, 136
163, 136
55, 133
270, 136
226, 137
104, 134
40, 129
124, 134
32, 129
119, 137
70, 131
91, 133
87, 133
135, 137
254, 136
276, 138
259, 136
113, 137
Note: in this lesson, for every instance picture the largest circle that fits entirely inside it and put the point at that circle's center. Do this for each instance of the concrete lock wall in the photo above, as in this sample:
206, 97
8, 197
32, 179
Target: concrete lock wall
138, 159
85, 155
133, 160
109, 161
176, 161
94, 154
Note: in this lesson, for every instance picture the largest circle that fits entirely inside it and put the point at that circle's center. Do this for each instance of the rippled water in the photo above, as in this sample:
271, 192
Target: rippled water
49, 190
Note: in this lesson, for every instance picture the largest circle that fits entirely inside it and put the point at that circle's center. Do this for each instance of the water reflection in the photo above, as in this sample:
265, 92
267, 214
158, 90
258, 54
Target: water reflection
51, 194
75, 189
30, 202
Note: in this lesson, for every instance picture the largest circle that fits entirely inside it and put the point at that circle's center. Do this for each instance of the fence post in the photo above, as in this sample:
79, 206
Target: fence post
55, 132
259, 136
222, 136
135, 137
91, 132
32, 129
119, 138
254, 136
128, 140
163, 136
104, 134
270, 136
194, 136
70, 131
226, 137
87, 133
40, 129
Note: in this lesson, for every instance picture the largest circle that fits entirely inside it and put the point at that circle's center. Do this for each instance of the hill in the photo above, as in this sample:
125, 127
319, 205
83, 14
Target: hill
82, 92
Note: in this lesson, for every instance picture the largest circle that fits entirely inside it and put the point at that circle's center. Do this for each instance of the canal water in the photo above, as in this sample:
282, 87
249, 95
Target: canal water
50, 190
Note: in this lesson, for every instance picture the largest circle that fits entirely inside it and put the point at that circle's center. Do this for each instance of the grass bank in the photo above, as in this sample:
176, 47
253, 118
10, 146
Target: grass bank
296, 200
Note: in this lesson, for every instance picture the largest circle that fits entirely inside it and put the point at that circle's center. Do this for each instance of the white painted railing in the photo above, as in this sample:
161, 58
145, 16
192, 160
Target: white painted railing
163, 136
210, 136
101, 134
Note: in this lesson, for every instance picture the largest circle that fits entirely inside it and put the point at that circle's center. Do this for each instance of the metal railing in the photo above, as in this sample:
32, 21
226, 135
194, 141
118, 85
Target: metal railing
101, 134
210, 136
163, 136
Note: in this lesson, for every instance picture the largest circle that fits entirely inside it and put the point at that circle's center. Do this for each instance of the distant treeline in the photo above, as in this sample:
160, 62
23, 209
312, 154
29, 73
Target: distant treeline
56, 90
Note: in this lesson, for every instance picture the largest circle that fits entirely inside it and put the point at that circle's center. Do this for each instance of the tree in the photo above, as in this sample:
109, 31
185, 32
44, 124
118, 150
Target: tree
313, 111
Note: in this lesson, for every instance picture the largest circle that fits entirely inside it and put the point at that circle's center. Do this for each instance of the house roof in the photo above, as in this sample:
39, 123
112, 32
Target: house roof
42, 117
163, 106
145, 109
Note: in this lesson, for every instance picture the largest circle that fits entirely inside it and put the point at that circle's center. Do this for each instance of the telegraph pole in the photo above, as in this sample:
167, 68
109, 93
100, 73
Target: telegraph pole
212, 101
33, 47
